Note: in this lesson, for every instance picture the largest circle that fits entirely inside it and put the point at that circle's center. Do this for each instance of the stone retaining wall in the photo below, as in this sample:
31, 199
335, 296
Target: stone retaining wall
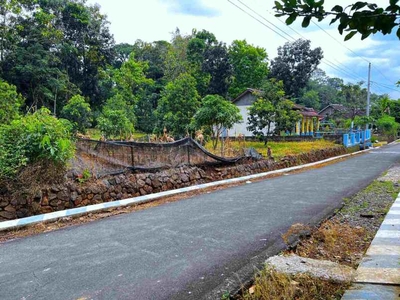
74, 194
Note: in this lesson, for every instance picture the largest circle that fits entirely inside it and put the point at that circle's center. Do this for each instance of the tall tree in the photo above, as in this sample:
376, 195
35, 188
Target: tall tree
216, 63
178, 104
294, 65
250, 67
87, 46
130, 80
176, 60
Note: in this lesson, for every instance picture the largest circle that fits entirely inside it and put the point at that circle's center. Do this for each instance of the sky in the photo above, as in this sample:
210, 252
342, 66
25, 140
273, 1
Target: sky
152, 20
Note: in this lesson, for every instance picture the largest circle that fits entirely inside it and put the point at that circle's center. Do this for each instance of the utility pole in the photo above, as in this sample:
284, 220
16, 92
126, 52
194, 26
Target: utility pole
369, 89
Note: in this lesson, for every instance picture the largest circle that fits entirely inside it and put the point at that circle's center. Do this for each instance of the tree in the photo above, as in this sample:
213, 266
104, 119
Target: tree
354, 97
286, 117
178, 104
310, 99
250, 67
87, 46
327, 88
216, 114
176, 60
130, 80
116, 119
269, 110
78, 112
294, 65
381, 107
362, 17
155, 55
10, 102
122, 53
216, 63
388, 126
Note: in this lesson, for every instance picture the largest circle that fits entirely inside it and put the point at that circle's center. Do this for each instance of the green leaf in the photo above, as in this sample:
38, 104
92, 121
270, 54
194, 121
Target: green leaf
337, 8
365, 35
306, 21
350, 35
359, 5
278, 5
291, 19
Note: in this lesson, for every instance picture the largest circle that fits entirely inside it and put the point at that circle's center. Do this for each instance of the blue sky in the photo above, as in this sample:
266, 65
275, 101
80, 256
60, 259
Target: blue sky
153, 20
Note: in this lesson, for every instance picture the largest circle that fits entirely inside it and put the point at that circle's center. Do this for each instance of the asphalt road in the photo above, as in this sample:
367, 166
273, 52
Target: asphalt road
189, 249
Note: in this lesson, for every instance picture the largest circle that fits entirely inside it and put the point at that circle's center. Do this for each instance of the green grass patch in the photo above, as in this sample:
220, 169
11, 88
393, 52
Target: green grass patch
279, 149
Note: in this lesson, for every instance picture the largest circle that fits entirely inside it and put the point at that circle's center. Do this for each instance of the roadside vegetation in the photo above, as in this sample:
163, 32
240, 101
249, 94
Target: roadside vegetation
278, 149
344, 238
61, 56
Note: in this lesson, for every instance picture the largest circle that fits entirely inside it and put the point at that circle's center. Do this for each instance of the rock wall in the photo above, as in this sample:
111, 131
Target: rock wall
74, 194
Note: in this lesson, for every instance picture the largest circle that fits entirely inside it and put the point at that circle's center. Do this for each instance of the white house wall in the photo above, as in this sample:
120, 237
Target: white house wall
241, 128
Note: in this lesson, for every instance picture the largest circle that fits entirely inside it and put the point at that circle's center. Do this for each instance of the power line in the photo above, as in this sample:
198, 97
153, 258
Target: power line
340, 43
344, 69
266, 20
384, 86
355, 74
258, 20
333, 66
384, 76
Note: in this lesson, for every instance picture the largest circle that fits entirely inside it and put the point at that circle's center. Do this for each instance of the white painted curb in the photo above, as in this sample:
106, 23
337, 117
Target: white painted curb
7, 225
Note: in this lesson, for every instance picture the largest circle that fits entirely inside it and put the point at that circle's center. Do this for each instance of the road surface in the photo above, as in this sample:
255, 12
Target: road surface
188, 249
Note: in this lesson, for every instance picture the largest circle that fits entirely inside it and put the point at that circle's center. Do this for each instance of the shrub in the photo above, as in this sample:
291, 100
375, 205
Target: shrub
35, 137
10, 102
78, 112
116, 119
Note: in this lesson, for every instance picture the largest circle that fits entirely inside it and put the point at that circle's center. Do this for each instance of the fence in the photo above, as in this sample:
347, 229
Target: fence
102, 158
358, 137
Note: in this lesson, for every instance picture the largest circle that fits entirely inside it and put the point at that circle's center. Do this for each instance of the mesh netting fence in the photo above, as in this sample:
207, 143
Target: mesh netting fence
102, 158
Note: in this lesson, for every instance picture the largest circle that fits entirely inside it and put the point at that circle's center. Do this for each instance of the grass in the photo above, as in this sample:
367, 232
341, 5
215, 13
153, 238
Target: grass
95, 134
279, 149
272, 285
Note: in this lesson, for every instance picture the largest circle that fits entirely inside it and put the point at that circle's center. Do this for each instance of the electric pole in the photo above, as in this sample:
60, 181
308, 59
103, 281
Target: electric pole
369, 89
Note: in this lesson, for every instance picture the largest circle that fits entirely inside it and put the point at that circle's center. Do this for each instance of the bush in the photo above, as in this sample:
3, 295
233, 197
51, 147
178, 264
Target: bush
388, 126
10, 102
78, 112
35, 137
116, 119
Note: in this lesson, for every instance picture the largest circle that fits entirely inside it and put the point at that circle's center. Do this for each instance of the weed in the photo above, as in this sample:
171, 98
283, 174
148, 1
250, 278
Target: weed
226, 296
270, 284
85, 176
336, 242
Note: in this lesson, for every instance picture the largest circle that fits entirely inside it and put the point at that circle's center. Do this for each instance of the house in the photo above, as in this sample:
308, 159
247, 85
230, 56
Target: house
335, 111
243, 102
309, 122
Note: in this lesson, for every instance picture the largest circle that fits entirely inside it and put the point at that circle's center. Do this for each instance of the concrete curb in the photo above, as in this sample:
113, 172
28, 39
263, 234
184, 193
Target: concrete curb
378, 275
7, 225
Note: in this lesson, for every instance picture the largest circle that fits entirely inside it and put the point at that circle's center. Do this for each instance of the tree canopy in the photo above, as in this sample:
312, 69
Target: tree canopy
294, 65
361, 17
216, 114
